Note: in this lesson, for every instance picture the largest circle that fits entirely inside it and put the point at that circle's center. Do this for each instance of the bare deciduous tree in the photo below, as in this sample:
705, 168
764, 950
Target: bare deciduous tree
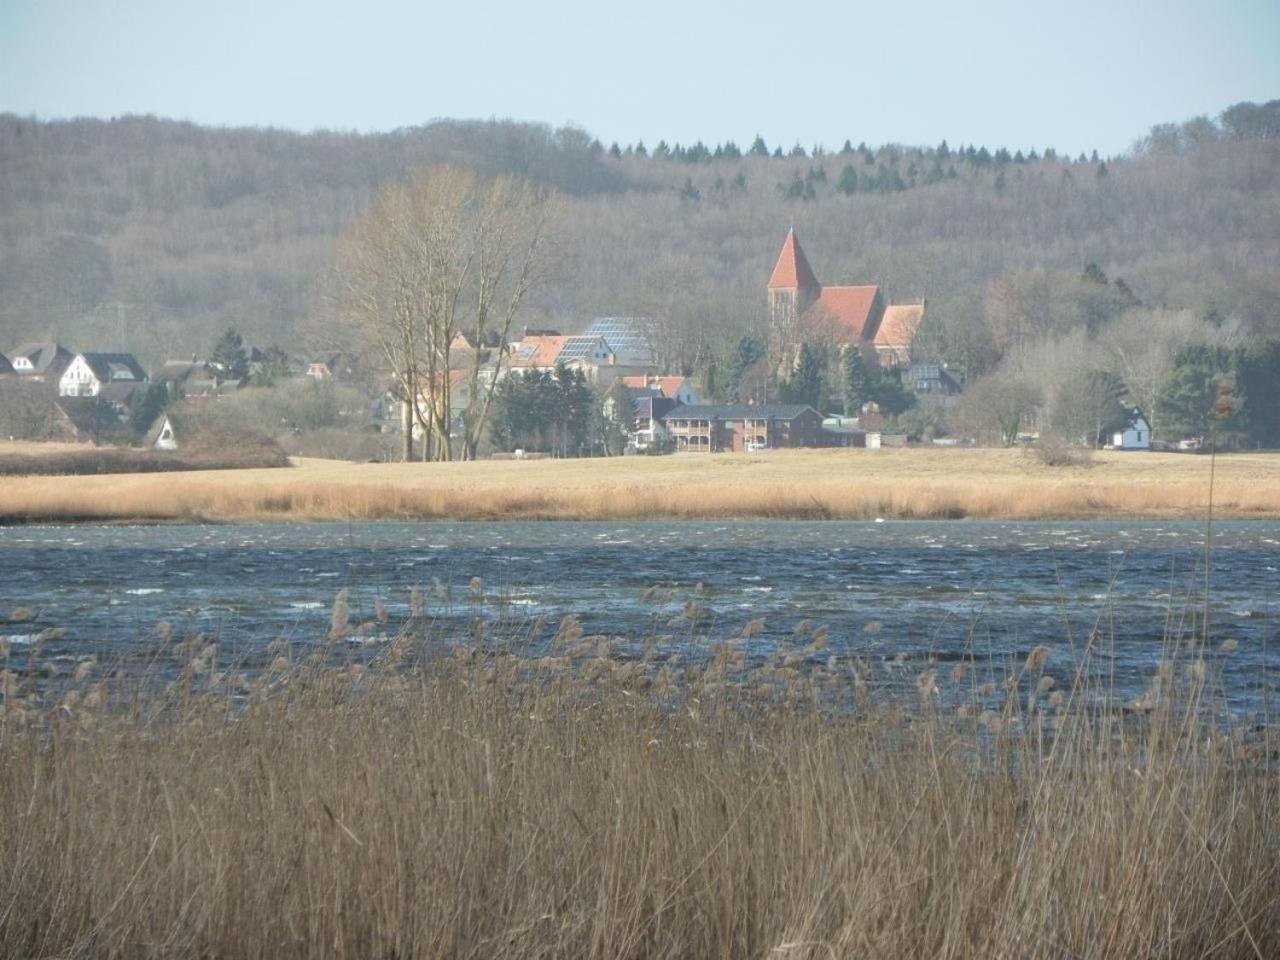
445, 252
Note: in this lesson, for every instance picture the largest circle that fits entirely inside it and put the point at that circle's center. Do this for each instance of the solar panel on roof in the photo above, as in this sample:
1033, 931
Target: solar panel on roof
628, 337
577, 348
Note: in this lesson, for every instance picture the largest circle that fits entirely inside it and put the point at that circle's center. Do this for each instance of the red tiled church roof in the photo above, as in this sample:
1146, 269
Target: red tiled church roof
853, 308
792, 269
899, 326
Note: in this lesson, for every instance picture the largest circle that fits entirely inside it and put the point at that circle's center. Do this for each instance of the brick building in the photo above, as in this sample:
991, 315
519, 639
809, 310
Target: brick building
708, 428
850, 315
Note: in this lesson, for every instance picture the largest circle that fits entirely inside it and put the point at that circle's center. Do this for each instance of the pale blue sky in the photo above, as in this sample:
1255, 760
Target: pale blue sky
1073, 75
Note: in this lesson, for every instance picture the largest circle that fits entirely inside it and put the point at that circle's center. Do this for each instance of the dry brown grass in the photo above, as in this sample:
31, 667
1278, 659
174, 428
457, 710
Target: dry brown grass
842, 484
578, 805
209, 450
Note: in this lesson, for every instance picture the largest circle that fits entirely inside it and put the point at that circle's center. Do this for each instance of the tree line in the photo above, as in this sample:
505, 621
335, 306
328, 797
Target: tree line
152, 236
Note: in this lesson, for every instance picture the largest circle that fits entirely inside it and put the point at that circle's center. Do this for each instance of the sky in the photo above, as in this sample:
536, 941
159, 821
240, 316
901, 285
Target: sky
1091, 74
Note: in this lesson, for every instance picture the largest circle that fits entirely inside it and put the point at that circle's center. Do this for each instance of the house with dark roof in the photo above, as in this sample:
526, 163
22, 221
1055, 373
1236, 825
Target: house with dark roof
1133, 433
43, 361
194, 379
931, 378
89, 373
850, 315
738, 427
639, 410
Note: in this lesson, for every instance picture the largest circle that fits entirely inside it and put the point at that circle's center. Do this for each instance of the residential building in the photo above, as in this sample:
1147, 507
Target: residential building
193, 379
631, 339
89, 373
1134, 435
545, 351
738, 427
931, 379
848, 432
673, 387
850, 315
333, 366
40, 361
644, 427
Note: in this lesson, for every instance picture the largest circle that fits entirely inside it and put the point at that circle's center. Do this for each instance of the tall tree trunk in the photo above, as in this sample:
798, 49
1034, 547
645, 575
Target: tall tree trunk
406, 428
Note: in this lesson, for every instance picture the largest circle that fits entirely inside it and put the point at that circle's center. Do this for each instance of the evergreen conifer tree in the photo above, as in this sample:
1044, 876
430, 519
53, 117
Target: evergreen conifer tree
229, 358
746, 353
848, 181
805, 384
858, 381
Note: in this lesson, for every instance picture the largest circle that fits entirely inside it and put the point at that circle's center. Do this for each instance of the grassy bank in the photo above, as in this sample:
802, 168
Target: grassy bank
211, 450
800, 484
466, 803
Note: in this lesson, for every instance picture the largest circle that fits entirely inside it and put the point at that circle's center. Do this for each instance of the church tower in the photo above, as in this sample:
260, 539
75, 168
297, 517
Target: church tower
792, 290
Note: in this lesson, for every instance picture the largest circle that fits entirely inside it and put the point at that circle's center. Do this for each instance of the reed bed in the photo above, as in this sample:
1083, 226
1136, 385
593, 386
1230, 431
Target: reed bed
852, 485
454, 799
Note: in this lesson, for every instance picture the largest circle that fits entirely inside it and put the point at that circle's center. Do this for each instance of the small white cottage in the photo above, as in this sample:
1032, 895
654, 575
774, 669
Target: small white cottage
1135, 435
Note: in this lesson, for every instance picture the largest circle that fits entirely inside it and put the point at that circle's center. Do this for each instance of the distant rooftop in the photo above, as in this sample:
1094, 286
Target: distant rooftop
630, 338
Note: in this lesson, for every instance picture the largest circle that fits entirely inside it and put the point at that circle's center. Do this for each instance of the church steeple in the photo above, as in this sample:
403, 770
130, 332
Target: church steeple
792, 271
792, 290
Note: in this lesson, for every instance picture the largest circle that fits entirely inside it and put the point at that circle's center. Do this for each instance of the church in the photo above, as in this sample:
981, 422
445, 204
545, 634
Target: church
845, 314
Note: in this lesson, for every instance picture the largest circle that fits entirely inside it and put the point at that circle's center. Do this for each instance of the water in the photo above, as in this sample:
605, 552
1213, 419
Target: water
911, 589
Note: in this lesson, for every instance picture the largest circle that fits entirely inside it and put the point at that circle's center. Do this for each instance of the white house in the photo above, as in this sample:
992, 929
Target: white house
39, 361
1135, 435
88, 373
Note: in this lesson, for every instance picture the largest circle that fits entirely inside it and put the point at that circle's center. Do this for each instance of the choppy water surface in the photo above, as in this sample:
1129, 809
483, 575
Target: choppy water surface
920, 589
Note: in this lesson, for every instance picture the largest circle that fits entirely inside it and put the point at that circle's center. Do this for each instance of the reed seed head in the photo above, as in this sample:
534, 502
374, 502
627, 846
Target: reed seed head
1036, 659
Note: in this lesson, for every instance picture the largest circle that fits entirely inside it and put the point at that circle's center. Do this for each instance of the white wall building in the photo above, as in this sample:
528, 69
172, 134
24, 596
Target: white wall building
1136, 435
88, 373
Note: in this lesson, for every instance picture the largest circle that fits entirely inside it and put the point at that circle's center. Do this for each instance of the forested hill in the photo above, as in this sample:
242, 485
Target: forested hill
156, 235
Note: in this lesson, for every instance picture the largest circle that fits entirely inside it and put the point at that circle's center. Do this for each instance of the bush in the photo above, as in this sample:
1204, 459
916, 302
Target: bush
1057, 452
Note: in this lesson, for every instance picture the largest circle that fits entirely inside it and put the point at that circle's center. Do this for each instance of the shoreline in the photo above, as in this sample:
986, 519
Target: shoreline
913, 484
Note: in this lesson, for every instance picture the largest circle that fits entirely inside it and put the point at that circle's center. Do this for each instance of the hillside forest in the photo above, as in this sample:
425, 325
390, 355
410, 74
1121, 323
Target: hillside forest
1039, 269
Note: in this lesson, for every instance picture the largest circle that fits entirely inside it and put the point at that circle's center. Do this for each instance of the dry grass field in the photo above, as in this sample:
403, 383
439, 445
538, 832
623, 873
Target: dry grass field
453, 801
799, 484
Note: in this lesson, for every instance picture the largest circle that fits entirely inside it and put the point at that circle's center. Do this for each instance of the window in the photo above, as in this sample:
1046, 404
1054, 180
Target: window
1139, 436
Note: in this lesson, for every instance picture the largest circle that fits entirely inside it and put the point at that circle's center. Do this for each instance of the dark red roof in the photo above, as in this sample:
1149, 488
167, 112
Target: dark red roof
792, 270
